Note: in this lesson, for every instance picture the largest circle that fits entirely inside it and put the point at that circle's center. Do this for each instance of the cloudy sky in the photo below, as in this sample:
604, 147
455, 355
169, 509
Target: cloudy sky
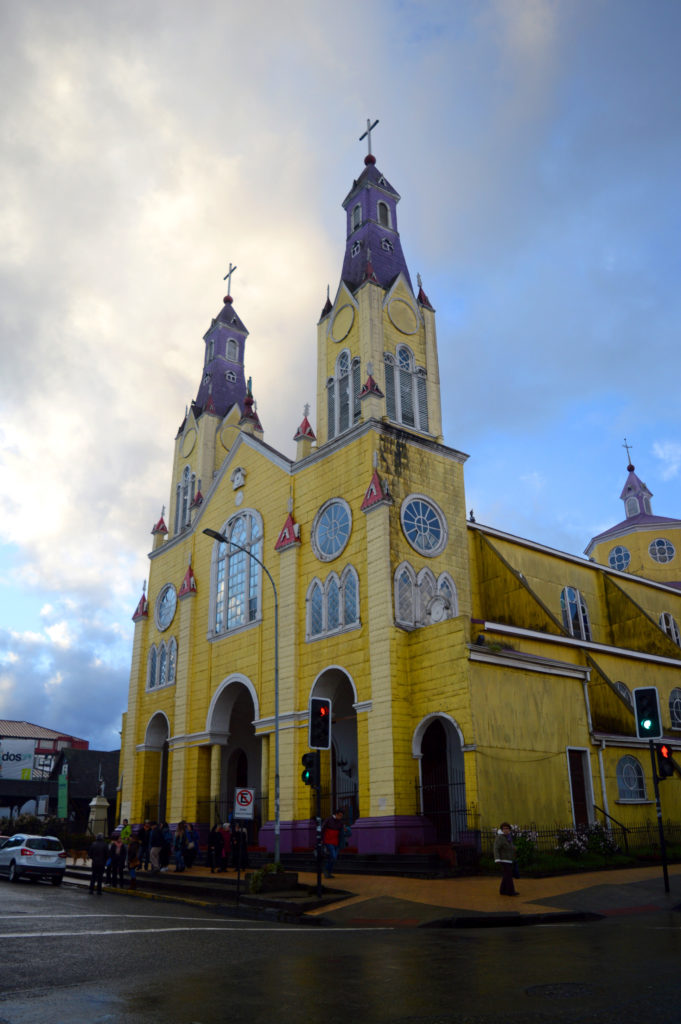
144, 145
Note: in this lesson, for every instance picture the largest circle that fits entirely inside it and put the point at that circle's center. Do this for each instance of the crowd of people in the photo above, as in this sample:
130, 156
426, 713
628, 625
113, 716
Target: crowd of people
155, 846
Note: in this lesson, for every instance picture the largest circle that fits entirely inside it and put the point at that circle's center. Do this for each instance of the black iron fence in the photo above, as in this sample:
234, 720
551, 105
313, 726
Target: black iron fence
444, 805
596, 838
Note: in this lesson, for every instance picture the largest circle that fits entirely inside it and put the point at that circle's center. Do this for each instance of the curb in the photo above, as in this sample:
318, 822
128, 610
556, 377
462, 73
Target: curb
514, 920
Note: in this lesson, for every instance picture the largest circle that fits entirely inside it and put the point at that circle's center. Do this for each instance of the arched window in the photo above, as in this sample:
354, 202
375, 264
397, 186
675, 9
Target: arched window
316, 609
405, 595
184, 497
447, 589
334, 605
575, 613
630, 780
631, 507
162, 665
675, 707
232, 350
237, 576
421, 600
172, 660
151, 669
670, 626
406, 398
383, 214
350, 591
356, 217
210, 350
343, 404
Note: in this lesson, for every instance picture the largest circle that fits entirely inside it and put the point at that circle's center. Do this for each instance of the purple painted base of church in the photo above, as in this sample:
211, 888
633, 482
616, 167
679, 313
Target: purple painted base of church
385, 835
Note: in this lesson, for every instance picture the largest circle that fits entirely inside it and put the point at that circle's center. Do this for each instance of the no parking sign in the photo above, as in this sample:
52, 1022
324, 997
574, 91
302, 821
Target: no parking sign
244, 803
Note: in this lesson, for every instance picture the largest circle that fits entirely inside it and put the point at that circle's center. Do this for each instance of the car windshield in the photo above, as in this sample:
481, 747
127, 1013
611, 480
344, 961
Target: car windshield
43, 843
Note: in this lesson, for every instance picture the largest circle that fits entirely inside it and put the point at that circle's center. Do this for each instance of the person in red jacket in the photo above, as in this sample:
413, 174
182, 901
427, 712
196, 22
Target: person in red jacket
332, 830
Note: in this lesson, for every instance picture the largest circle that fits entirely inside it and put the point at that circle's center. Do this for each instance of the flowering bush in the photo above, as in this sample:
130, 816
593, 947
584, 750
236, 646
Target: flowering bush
585, 839
525, 843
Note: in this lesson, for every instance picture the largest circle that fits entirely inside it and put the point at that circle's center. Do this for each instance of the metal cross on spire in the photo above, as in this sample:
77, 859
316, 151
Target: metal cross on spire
367, 134
628, 446
228, 277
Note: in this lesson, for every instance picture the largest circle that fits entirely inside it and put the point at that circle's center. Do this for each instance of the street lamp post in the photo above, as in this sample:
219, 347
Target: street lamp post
237, 547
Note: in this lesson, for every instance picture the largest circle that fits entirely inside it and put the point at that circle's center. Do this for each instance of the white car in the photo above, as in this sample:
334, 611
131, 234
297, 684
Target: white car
33, 856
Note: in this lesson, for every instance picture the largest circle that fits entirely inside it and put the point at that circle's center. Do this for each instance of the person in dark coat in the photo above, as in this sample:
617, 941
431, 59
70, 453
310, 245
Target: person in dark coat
155, 847
215, 846
239, 846
116, 863
99, 854
504, 856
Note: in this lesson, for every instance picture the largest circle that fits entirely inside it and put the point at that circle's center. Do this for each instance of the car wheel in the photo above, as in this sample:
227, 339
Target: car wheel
56, 879
13, 873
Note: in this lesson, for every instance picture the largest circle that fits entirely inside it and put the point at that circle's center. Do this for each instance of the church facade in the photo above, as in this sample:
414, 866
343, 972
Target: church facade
473, 675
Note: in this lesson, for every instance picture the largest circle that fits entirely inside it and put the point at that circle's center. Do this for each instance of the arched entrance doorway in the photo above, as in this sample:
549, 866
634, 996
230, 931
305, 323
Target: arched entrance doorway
231, 717
443, 784
155, 775
339, 767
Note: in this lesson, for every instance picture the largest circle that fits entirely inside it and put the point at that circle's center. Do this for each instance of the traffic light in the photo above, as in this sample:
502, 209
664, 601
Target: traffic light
310, 774
320, 723
665, 763
647, 711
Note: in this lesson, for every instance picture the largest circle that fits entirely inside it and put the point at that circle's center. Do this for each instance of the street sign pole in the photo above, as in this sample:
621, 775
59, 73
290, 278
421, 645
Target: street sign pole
663, 845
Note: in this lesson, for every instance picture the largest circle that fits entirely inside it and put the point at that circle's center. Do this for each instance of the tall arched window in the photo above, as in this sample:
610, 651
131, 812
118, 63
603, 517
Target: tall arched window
356, 217
151, 669
406, 397
671, 627
184, 497
383, 214
343, 405
172, 660
575, 613
162, 665
316, 609
630, 780
232, 350
237, 576
405, 595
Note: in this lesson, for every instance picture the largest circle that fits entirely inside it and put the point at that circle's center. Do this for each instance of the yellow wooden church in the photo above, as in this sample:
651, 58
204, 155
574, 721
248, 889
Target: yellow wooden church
474, 675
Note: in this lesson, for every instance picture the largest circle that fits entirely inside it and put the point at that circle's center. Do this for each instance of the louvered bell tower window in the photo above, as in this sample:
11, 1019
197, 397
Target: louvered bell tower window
406, 394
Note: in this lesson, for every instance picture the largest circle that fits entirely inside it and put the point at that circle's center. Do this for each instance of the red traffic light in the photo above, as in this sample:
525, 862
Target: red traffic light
665, 762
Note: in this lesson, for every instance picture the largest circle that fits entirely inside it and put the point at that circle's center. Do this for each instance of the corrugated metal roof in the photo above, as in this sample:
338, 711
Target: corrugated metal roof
28, 731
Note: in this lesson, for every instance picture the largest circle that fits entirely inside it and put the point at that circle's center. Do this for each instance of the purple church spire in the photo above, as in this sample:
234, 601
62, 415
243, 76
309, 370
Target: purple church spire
371, 208
223, 383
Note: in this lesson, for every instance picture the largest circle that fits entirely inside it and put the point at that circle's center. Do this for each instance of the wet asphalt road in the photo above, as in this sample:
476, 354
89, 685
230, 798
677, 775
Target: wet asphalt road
68, 957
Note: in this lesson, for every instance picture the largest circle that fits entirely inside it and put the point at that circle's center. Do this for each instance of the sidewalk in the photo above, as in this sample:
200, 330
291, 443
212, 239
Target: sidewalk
394, 902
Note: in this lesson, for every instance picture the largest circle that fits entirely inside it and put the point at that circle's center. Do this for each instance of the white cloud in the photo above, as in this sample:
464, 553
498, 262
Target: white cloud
669, 453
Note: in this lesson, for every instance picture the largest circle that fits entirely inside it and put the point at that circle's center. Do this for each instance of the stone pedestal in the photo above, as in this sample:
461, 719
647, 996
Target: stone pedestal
98, 820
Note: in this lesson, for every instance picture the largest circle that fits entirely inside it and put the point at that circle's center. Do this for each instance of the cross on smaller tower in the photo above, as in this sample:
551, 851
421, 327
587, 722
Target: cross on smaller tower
628, 446
306, 410
367, 134
228, 277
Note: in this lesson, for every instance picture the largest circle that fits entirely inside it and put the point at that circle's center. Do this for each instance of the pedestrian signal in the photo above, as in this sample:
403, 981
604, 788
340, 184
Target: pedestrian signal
665, 762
